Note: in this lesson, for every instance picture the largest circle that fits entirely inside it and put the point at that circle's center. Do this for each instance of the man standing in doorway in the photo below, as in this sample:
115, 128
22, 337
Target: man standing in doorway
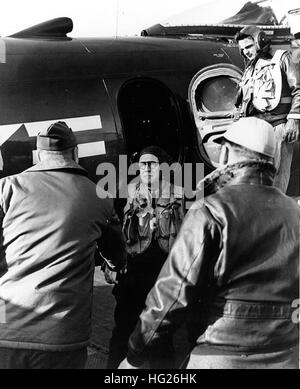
270, 90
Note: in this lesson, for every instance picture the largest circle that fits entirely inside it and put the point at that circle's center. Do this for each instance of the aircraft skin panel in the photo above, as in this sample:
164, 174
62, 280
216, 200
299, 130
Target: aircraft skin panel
126, 57
32, 46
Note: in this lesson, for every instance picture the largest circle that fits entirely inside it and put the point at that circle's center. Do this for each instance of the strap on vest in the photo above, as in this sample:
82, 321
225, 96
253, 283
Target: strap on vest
138, 237
128, 226
248, 88
285, 100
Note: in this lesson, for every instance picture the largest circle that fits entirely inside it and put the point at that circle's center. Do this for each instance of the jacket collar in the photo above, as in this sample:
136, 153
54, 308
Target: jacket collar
260, 56
58, 165
246, 172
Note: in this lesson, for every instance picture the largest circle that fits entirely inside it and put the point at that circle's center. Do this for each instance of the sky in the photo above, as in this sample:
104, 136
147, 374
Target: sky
91, 17
95, 18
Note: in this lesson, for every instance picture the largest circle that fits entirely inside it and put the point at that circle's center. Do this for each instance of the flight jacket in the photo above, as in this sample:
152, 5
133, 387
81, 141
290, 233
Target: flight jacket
234, 267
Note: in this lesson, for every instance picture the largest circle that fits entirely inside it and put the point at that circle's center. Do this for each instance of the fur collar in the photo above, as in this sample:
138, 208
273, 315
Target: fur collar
251, 172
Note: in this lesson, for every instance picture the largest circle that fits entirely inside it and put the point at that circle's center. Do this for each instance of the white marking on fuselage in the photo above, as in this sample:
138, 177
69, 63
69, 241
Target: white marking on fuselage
7, 130
83, 123
91, 149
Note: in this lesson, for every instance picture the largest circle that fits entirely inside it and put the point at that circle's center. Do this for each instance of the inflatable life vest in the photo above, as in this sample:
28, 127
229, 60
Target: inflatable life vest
143, 222
262, 84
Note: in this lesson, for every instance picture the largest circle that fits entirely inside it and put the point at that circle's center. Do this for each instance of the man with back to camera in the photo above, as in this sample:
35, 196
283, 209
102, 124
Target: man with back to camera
234, 266
51, 221
270, 90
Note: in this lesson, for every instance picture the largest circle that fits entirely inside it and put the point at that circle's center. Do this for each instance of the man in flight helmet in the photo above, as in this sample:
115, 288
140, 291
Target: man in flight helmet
270, 90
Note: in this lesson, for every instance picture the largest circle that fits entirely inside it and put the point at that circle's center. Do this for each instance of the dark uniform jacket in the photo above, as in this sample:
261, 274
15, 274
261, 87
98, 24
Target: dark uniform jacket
236, 259
51, 219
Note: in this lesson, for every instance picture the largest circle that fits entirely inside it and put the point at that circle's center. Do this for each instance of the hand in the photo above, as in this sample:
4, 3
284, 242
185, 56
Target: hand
126, 365
110, 276
292, 130
236, 113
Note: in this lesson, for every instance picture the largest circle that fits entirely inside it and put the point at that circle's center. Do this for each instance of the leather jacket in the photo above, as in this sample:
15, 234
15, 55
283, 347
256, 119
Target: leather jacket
234, 265
289, 105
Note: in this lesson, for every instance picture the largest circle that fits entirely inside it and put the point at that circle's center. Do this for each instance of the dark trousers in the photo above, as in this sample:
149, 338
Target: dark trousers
130, 303
131, 293
11, 358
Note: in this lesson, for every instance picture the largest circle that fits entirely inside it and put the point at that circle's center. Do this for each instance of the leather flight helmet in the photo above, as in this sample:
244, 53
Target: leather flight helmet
260, 38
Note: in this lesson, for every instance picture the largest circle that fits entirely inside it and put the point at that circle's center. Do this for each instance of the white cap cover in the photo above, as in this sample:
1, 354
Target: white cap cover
253, 134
